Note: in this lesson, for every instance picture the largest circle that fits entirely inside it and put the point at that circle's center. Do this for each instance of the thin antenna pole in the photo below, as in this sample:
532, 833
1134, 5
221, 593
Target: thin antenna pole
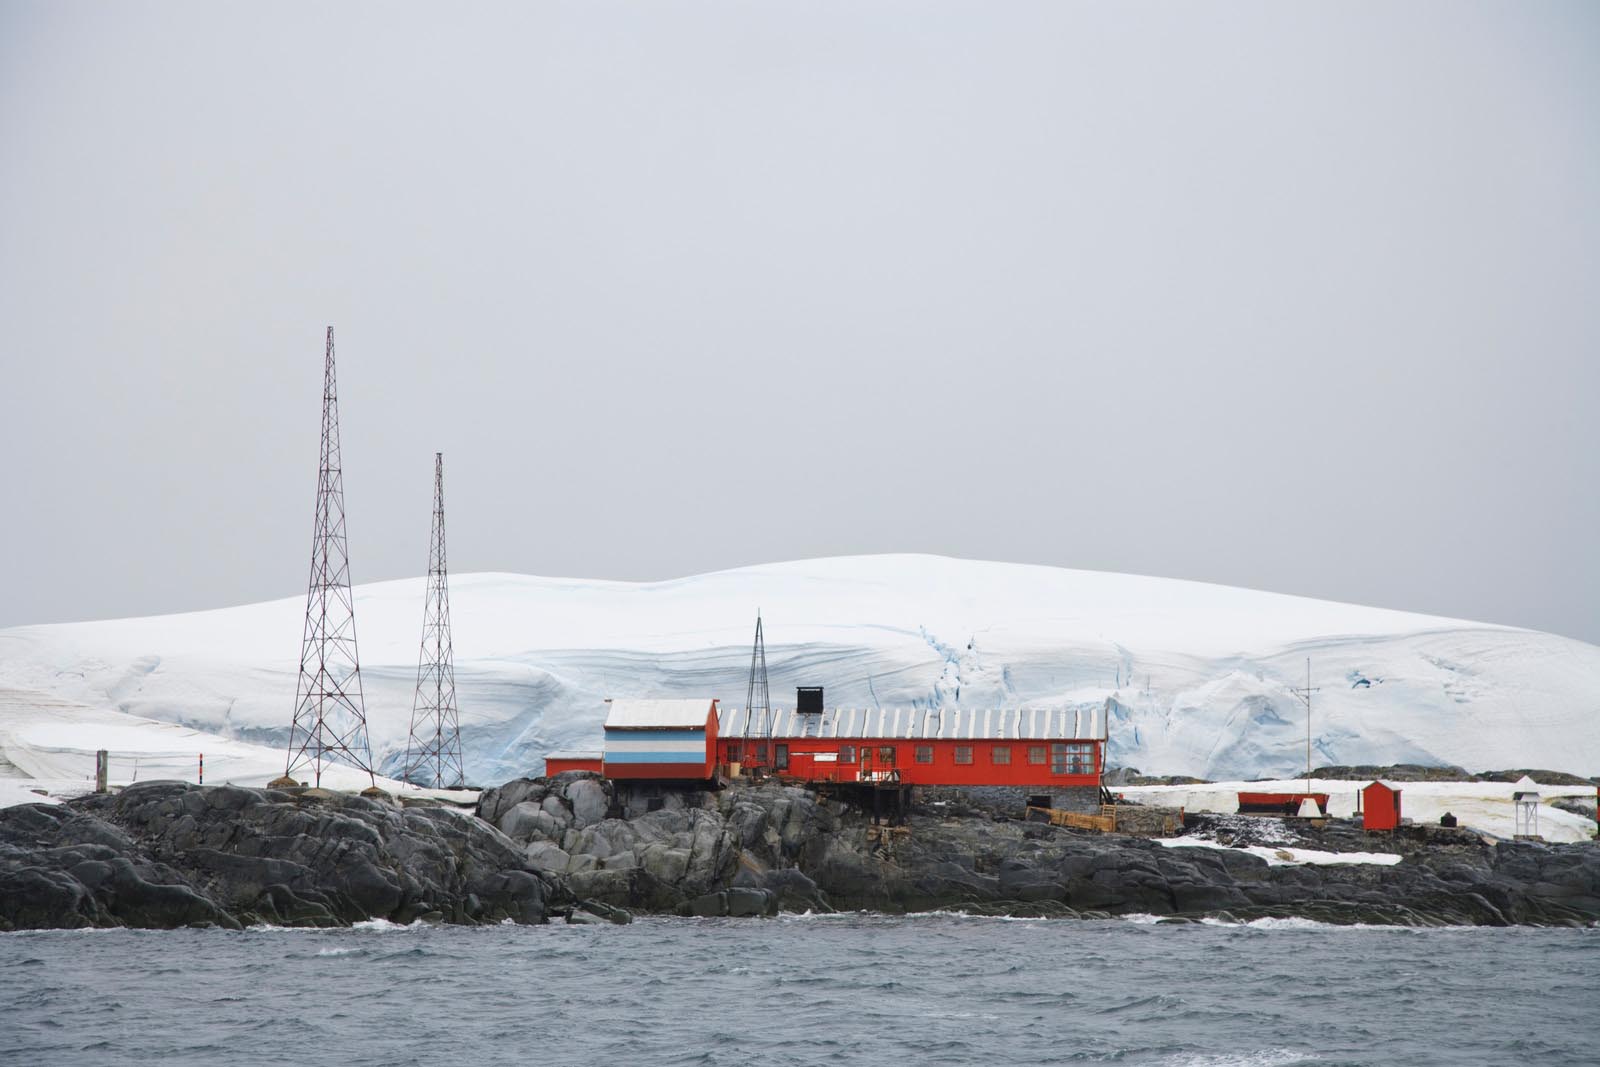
1305, 695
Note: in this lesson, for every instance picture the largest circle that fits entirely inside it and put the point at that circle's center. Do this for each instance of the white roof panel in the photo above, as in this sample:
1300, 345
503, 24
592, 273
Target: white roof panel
659, 714
1009, 724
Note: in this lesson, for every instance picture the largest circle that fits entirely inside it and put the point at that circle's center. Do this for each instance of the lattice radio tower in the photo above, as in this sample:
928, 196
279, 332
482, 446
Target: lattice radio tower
433, 754
757, 703
330, 719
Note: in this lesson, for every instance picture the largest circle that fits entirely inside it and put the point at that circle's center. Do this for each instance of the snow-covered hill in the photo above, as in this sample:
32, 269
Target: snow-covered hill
1199, 675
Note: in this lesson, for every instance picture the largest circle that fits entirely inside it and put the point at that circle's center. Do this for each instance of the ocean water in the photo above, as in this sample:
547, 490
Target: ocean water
838, 990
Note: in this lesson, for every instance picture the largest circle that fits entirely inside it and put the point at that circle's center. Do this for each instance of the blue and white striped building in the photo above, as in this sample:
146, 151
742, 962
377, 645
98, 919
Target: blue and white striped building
661, 739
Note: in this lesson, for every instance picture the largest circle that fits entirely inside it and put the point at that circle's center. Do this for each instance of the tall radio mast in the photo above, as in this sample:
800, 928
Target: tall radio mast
757, 703
433, 753
330, 718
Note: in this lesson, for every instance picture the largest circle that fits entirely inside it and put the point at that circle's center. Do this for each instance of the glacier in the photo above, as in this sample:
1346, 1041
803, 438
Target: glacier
1198, 677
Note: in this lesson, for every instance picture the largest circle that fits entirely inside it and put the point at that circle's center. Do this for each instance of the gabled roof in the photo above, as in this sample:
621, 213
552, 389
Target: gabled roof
1524, 787
999, 724
659, 714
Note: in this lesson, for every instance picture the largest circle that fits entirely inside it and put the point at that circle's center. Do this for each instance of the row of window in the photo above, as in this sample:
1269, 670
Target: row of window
1064, 758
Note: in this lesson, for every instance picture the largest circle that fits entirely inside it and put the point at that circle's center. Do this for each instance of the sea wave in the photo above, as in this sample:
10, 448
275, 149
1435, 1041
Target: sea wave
1269, 1057
848, 989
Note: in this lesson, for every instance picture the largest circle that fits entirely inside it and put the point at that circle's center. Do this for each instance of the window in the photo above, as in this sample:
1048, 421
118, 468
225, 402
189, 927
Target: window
963, 753
734, 755
1074, 758
1000, 754
886, 755
758, 753
924, 753
1036, 755
1082, 755
782, 757
847, 753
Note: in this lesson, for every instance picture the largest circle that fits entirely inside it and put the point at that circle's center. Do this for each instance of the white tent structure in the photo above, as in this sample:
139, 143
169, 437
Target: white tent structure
1525, 795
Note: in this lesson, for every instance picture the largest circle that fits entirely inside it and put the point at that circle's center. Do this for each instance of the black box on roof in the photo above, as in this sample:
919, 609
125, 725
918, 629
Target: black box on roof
808, 699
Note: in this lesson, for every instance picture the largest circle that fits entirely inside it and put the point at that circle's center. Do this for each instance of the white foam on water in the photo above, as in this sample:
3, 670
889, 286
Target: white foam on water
946, 914
384, 926
1268, 1057
1297, 923
1292, 923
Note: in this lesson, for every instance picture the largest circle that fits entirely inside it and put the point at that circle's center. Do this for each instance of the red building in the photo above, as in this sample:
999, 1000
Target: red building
1380, 807
557, 762
1279, 803
1042, 749
661, 740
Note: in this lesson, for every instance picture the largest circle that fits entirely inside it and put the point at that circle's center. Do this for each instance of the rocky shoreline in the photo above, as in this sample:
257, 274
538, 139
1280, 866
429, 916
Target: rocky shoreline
169, 854
762, 848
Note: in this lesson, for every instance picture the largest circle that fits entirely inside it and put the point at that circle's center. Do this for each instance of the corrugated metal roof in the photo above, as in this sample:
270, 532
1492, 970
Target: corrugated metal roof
659, 714
1033, 724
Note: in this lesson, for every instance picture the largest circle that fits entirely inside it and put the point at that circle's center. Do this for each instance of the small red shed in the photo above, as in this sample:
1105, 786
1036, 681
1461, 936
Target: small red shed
1380, 807
557, 762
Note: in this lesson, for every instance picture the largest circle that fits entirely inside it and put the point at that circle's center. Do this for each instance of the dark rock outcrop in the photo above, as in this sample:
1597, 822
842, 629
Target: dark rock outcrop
797, 852
1584, 806
165, 854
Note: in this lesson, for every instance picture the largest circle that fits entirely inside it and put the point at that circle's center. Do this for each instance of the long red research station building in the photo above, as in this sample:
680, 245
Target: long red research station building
1050, 751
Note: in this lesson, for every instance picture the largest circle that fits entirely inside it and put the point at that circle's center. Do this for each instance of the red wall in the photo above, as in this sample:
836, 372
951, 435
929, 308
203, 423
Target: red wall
944, 770
553, 767
679, 772
711, 742
1380, 807
1289, 803
684, 772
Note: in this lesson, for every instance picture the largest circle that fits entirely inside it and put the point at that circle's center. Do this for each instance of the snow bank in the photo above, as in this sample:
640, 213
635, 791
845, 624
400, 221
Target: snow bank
1278, 857
49, 744
32, 791
1482, 806
1199, 675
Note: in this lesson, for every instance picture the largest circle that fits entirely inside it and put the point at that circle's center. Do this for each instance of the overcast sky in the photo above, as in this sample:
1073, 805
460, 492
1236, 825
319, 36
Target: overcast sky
1298, 297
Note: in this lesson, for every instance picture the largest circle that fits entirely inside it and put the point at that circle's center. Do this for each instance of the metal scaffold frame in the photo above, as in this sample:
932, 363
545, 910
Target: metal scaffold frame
330, 719
758, 704
433, 752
